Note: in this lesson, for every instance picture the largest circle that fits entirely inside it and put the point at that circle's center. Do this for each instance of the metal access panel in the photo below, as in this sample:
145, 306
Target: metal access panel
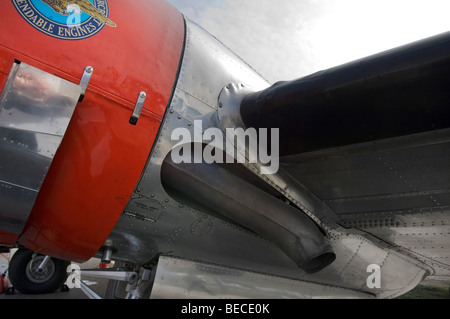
35, 111
178, 278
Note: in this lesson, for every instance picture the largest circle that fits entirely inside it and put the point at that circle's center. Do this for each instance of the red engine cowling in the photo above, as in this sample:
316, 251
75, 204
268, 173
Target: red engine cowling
133, 46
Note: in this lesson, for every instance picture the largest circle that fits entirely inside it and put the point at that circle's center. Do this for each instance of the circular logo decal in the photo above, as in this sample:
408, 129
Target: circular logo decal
66, 19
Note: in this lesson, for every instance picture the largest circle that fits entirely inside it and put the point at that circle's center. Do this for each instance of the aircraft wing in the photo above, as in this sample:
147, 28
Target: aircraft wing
368, 142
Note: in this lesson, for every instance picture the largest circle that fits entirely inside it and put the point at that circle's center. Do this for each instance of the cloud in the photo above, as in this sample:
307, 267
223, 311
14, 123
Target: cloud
287, 39
265, 34
196, 10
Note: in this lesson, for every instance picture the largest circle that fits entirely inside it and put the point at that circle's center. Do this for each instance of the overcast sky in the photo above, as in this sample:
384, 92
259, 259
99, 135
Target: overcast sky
287, 39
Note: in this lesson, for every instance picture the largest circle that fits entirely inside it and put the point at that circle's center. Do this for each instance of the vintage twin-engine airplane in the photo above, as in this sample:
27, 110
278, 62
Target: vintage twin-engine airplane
129, 133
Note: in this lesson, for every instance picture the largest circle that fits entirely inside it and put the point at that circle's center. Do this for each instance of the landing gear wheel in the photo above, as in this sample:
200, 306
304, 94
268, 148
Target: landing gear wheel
28, 279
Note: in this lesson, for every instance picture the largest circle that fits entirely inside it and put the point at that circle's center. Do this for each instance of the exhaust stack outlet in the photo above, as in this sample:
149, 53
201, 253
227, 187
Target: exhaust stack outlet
217, 189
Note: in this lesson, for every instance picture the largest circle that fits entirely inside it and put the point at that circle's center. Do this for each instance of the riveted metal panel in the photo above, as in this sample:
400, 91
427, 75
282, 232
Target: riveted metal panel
36, 108
181, 278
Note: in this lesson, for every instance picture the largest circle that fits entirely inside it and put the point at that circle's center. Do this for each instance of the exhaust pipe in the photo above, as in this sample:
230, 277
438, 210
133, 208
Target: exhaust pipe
216, 188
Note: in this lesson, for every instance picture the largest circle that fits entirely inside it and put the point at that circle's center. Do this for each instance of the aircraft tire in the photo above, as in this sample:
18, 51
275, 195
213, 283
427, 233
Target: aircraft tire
25, 278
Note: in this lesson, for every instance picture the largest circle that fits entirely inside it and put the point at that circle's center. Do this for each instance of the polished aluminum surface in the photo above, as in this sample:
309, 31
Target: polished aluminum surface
396, 189
110, 274
35, 110
155, 224
181, 278
230, 99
